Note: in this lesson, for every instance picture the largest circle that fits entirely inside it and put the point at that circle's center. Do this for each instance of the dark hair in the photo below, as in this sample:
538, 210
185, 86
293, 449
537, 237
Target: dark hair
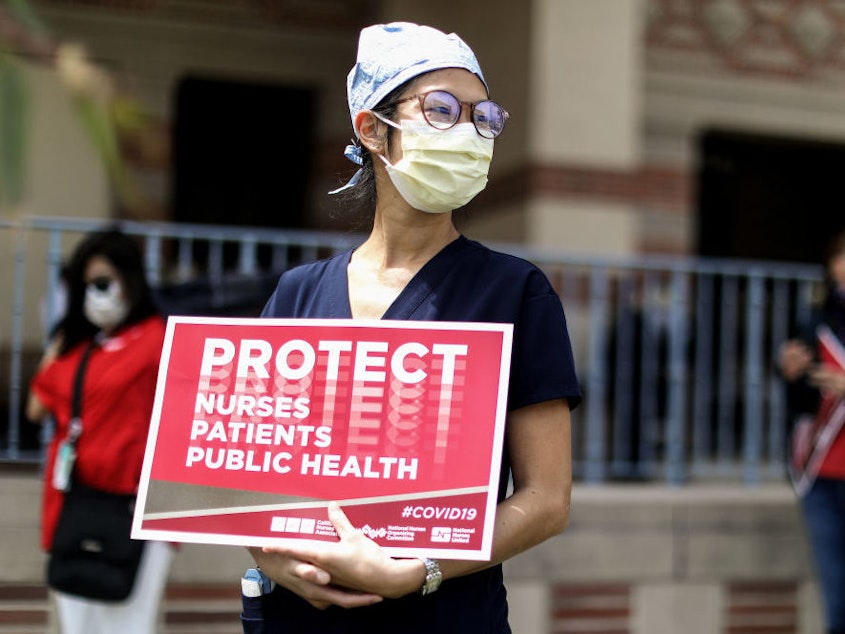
832, 304
125, 255
835, 248
363, 196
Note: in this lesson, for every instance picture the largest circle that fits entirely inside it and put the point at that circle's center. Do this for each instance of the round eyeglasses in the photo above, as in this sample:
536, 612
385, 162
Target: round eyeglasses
442, 110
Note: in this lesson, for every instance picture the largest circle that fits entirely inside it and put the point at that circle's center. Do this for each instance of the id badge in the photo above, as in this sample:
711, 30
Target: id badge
65, 457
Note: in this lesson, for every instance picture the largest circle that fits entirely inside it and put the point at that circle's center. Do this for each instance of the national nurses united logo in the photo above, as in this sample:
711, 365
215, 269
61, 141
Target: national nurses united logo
441, 534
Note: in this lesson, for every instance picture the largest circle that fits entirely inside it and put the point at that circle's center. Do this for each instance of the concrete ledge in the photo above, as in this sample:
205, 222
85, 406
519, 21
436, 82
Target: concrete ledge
645, 558
655, 533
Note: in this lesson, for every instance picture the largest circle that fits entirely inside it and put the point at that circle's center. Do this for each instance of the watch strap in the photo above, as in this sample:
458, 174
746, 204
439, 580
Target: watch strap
433, 577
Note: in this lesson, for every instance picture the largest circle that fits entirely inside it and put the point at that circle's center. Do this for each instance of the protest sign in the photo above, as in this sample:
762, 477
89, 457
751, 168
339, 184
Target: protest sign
814, 434
259, 423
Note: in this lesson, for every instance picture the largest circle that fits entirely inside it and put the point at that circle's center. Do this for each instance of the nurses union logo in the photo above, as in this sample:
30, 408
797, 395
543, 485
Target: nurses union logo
373, 533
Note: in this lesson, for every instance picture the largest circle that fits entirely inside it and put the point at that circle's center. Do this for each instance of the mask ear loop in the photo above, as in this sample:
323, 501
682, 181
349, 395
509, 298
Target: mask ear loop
384, 119
393, 124
355, 153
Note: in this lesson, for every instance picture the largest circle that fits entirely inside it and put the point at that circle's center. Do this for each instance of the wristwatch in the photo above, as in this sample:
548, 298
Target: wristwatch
433, 577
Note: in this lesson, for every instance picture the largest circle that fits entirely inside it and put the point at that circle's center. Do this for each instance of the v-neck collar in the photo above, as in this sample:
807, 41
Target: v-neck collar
416, 290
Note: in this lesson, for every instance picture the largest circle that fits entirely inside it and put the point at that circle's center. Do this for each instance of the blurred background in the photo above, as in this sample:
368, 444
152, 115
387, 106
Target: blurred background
671, 164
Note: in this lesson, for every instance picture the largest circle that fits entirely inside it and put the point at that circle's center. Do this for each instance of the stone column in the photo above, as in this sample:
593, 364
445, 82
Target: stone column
584, 136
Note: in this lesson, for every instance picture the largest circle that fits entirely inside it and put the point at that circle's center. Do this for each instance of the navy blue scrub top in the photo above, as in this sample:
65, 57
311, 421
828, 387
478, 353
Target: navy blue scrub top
465, 281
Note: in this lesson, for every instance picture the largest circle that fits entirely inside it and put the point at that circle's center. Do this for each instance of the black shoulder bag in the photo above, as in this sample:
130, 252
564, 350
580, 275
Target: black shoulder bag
92, 555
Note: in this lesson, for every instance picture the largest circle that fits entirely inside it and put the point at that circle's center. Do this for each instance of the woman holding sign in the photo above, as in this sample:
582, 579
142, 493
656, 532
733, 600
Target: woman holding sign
425, 130
814, 368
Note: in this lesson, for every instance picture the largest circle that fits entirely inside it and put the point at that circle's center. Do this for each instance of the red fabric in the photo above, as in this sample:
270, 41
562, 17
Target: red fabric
832, 355
833, 465
117, 403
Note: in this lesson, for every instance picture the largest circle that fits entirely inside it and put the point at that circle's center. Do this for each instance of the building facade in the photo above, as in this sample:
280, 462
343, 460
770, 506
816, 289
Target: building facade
624, 113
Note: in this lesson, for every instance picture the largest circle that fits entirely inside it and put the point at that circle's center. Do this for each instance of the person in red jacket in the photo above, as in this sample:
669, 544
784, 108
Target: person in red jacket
813, 366
110, 304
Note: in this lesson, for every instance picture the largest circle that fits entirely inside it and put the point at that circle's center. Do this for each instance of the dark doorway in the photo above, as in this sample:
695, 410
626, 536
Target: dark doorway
242, 153
768, 198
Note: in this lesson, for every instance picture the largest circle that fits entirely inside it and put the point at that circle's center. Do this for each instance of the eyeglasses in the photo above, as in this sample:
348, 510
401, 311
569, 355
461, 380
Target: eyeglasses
442, 110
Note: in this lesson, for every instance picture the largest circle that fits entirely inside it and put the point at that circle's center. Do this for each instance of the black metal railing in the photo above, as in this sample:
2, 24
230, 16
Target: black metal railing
675, 354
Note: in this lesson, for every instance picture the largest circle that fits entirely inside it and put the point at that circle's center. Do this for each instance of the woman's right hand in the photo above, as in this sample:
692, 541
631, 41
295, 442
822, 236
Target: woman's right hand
310, 582
35, 410
794, 359
829, 380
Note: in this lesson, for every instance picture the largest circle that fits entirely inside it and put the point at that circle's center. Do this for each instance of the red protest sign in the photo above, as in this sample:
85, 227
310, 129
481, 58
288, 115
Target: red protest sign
814, 434
259, 423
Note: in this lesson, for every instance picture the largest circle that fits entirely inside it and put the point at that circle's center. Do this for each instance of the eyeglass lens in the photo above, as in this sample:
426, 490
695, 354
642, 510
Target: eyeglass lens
442, 110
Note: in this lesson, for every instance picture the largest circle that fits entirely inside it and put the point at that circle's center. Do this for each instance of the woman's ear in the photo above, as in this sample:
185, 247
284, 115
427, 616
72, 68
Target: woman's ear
369, 131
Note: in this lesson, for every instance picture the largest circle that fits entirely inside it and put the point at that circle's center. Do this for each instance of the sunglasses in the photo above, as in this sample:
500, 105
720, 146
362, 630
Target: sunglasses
101, 283
442, 110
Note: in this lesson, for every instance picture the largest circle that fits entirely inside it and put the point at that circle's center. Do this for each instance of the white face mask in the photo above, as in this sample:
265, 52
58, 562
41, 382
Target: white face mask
440, 170
103, 304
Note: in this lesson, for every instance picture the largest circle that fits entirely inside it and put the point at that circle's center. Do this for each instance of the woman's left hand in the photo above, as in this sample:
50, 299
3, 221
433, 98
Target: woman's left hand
828, 380
355, 562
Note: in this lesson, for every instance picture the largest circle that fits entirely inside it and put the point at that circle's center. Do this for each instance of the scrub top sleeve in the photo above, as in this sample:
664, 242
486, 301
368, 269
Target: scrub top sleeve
276, 305
542, 366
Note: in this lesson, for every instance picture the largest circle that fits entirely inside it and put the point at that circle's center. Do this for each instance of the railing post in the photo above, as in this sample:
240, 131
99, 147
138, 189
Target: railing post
54, 268
184, 259
152, 258
248, 256
624, 357
215, 262
676, 468
15, 369
595, 469
776, 387
754, 386
650, 362
703, 377
728, 378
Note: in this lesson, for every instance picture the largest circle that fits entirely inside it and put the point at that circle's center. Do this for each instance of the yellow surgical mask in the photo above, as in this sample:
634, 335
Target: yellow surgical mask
440, 170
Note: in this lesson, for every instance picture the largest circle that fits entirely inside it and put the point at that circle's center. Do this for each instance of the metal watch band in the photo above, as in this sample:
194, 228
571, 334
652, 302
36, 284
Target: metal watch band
433, 577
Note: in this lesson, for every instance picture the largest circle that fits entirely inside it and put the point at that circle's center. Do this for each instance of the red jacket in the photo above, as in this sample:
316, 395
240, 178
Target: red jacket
117, 402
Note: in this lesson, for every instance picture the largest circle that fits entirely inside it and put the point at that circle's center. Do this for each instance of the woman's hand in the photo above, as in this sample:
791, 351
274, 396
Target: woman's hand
35, 409
309, 582
828, 380
352, 572
794, 359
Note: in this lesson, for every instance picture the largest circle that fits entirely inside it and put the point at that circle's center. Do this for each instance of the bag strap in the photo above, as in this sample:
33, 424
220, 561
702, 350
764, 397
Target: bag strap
75, 426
